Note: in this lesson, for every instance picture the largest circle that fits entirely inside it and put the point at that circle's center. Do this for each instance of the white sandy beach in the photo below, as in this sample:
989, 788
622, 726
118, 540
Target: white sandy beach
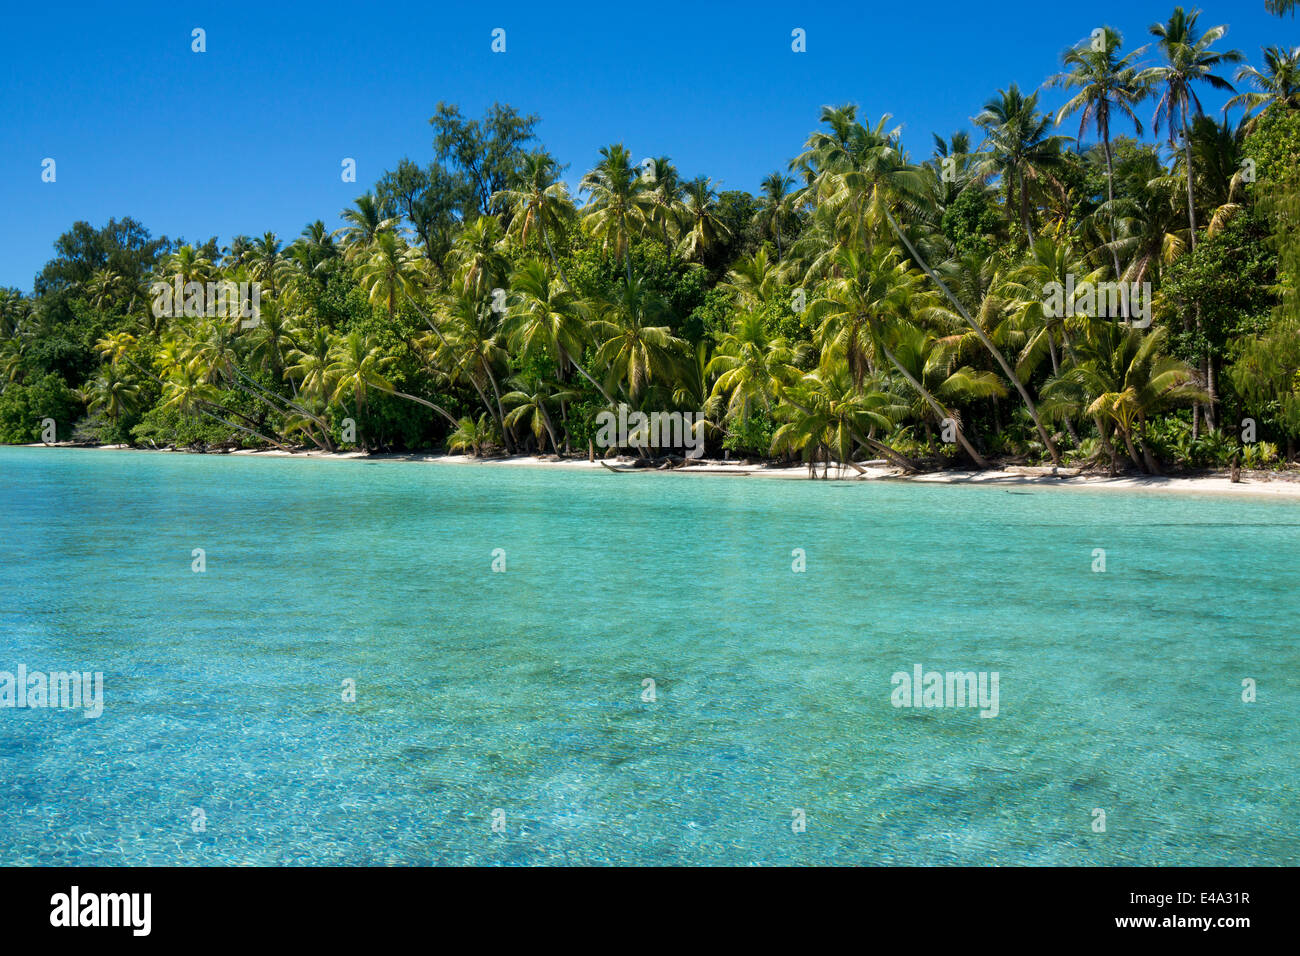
1254, 484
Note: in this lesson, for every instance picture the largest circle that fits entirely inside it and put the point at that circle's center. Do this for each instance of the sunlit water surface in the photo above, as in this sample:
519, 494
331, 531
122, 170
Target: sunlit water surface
523, 691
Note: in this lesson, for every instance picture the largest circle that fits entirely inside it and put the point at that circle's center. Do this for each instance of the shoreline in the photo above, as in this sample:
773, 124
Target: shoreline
1271, 485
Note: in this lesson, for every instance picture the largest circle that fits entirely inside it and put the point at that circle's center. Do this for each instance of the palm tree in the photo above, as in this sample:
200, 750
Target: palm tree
1106, 83
665, 207
1151, 228
356, 366
828, 413
1018, 146
268, 263
391, 269
469, 342
470, 435
368, 218
545, 319
633, 347
706, 228
860, 171
775, 205
751, 366
1123, 379
539, 205
528, 401
1278, 82
114, 392
1188, 61
479, 257
617, 208
932, 362
754, 280
874, 288
237, 253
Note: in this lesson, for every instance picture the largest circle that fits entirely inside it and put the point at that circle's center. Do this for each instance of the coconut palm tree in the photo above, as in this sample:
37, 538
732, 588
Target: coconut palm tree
544, 319
1278, 82
665, 207
874, 287
1018, 147
754, 280
751, 366
539, 206
114, 392
861, 173
618, 204
268, 264
829, 414
933, 362
479, 257
356, 366
527, 402
633, 346
1123, 379
705, 228
776, 205
392, 270
1188, 61
1106, 84
366, 219
470, 435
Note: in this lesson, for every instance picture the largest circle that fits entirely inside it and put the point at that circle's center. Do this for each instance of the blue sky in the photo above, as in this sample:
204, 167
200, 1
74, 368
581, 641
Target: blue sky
249, 136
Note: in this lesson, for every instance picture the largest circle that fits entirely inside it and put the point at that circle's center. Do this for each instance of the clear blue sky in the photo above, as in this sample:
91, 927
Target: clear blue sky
248, 136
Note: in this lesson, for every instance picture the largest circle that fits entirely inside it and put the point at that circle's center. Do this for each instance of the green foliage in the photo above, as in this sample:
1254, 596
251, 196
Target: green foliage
23, 407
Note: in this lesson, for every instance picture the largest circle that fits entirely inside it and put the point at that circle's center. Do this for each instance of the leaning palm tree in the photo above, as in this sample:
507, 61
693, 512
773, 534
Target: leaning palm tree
1106, 83
618, 203
874, 288
1188, 61
828, 415
1278, 82
860, 173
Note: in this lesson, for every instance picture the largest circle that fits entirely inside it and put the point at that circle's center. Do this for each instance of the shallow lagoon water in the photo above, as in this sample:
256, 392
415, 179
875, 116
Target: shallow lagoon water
523, 691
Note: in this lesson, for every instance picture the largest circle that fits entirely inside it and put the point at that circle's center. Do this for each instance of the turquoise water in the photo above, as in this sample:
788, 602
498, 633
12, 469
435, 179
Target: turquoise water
522, 691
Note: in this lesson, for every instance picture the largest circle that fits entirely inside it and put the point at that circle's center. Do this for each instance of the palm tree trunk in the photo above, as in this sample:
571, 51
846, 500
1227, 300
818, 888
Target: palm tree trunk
500, 412
555, 261
1110, 203
1106, 445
